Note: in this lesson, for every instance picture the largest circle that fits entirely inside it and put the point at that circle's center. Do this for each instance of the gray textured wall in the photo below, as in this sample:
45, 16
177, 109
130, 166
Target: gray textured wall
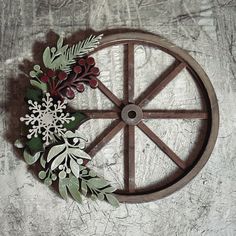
206, 206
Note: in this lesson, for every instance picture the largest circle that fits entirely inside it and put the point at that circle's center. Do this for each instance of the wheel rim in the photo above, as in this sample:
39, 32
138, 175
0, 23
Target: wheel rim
129, 114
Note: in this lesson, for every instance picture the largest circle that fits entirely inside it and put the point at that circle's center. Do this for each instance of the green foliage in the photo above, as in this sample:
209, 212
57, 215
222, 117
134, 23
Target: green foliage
34, 94
30, 159
19, 143
71, 184
112, 200
97, 187
40, 85
35, 144
79, 118
62, 57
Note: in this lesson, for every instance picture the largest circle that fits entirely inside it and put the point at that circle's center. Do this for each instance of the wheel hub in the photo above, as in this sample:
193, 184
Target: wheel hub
131, 114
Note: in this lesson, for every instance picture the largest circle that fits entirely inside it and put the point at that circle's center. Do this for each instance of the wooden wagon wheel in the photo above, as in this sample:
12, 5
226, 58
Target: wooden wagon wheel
129, 113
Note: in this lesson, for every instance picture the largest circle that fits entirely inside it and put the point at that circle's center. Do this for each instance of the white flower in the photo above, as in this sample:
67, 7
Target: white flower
46, 119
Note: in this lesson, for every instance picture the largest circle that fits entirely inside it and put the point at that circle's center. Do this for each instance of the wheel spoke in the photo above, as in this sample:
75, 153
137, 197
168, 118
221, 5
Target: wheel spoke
174, 114
129, 74
111, 96
159, 84
101, 114
162, 146
129, 158
104, 138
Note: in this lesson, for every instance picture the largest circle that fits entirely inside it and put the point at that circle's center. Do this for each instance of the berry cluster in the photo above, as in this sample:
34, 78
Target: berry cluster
84, 71
62, 84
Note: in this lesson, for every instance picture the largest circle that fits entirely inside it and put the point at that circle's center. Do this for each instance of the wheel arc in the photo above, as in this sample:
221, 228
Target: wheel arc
213, 117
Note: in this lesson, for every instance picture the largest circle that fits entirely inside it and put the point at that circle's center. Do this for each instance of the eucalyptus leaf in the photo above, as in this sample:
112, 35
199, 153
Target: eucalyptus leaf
55, 150
42, 174
74, 180
93, 197
79, 153
31, 159
42, 161
48, 181
84, 187
110, 189
58, 160
62, 188
47, 57
100, 196
112, 200
37, 84
75, 168
98, 182
73, 189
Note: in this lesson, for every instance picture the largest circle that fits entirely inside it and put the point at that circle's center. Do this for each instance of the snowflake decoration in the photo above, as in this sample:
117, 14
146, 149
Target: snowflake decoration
46, 118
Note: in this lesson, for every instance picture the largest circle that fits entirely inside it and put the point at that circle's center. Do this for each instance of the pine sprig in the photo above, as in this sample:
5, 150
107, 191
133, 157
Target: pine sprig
63, 57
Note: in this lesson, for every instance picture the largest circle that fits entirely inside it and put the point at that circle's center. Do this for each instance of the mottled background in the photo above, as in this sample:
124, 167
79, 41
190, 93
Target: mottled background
207, 205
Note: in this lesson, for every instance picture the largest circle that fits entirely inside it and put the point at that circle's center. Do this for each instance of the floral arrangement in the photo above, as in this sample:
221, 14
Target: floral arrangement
52, 135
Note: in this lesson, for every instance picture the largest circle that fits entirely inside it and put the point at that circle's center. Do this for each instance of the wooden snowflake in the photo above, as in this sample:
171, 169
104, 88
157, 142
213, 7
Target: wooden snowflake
46, 119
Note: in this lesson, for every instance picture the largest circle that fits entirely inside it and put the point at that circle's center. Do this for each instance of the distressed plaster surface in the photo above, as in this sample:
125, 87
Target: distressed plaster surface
207, 205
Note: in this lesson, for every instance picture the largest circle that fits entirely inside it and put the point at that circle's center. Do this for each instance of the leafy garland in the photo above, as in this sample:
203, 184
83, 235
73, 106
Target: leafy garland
52, 137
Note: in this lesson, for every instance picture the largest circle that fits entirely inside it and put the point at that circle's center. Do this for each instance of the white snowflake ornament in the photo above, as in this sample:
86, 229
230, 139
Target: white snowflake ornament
46, 119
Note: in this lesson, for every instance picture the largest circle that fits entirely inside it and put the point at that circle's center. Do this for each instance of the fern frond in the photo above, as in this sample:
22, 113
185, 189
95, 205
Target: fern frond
65, 58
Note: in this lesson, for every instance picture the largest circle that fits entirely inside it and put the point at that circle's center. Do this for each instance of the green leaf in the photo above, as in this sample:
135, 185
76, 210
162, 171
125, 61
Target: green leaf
109, 189
59, 42
79, 118
74, 189
100, 196
79, 153
31, 159
74, 180
33, 74
42, 161
48, 181
33, 94
37, 68
19, 143
35, 144
62, 188
92, 173
93, 197
112, 200
74, 167
84, 187
42, 174
47, 57
55, 151
98, 182
58, 160
42, 86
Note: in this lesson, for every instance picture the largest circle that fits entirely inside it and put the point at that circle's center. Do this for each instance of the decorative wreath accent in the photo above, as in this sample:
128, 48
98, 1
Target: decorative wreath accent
52, 137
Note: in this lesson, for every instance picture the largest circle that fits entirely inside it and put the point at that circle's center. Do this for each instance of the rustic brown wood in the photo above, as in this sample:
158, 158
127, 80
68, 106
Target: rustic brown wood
162, 146
109, 94
101, 114
174, 114
159, 84
104, 137
210, 115
129, 74
129, 154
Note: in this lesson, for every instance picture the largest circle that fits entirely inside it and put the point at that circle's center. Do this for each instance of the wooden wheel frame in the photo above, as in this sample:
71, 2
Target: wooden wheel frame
129, 113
